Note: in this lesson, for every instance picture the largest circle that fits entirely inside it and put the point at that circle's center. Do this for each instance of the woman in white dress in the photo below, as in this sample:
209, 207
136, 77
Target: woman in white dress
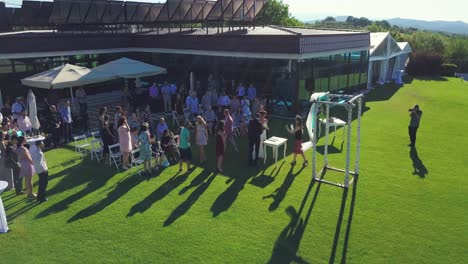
264, 121
201, 137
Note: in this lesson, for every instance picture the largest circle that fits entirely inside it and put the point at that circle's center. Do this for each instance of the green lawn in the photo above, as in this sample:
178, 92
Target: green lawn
391, 214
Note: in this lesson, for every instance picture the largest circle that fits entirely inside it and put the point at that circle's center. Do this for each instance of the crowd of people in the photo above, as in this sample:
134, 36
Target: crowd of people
220, 113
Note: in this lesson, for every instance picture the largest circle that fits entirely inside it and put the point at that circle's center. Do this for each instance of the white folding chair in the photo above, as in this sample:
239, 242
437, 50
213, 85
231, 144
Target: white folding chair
115, 157
96, 149
81, 145
136, 161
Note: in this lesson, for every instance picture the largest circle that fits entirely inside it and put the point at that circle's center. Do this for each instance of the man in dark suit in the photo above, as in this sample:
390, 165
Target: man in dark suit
255, 130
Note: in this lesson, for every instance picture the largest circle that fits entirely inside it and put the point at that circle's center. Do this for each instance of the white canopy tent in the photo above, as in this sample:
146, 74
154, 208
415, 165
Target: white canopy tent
386, 58
128, 68
66, 76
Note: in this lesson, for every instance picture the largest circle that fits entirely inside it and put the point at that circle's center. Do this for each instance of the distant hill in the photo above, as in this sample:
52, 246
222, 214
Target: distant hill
458, 27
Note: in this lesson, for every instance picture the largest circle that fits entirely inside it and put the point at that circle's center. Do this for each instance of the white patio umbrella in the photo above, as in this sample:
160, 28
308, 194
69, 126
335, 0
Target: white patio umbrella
66, 76
129, 69
32, 110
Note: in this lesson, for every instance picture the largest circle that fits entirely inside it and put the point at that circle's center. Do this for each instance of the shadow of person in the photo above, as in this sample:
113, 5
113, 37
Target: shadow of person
287, 244
280, 193
418, 165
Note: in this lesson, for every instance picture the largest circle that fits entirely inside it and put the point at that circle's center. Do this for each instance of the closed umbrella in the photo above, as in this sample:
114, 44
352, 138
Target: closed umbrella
32, 109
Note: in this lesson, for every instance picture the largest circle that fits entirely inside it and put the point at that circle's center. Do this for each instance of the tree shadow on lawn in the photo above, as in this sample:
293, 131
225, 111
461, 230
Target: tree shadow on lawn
159, 193
382, 92
183, 208
121, 188
279, 194
418, 165
287, 244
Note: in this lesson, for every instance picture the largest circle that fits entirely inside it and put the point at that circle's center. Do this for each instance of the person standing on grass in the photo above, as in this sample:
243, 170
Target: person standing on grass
27, 166
162, 125
125, 141
24, 124
184, 147
220, 146
40, 165
297, 132
145, 147
82, 100
251, 93
228, 129
201, 137
54, 125
415, 119
107, 136
12, 163
118, 114
65, 113
148, 117
167, 99
255, 129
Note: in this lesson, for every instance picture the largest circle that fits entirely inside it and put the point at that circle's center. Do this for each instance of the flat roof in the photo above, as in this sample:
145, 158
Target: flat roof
265, 42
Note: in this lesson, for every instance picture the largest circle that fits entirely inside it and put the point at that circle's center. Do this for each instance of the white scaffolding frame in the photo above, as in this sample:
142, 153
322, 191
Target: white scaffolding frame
349, 103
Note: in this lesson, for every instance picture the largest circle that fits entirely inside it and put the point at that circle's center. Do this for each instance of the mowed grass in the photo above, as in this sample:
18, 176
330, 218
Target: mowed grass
405, 207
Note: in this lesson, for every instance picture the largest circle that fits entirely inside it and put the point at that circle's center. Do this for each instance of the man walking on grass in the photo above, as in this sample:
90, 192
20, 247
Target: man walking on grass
415, 119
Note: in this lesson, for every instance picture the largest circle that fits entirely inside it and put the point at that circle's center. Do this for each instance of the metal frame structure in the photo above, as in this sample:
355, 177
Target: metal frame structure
349, 103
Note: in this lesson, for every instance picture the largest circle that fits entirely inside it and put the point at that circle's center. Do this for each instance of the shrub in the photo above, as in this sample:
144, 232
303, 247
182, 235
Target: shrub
449, 69
425, 63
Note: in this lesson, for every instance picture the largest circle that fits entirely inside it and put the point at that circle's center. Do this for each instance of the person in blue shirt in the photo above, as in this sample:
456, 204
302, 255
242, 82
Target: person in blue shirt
65, 114
251, 92
162, 125
192, 104
166, 92
240, 91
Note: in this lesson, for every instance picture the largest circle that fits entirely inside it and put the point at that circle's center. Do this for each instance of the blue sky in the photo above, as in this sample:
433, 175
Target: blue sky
449, 10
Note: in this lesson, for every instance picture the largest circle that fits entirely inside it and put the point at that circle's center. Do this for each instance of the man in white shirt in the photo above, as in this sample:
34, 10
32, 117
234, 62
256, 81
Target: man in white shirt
41, 169
18, 107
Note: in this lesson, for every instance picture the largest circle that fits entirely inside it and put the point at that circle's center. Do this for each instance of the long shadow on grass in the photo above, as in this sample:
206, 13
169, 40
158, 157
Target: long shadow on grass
227, 198
287, 244
208, 178
28, 205
279, 194
350, 221
159, 194
382, 93
263, 180
418, 165
76, 176
120, 190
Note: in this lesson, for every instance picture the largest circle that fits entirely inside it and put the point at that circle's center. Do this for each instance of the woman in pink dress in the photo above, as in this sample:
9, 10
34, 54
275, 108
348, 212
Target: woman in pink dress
27, 166
125, 141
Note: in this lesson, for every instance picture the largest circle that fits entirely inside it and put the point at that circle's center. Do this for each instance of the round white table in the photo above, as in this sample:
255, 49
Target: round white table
3, 220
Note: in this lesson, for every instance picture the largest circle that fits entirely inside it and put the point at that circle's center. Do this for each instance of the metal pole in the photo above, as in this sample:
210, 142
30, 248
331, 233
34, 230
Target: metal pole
358, 141
327, 132
348, 144
314, 140
73, 99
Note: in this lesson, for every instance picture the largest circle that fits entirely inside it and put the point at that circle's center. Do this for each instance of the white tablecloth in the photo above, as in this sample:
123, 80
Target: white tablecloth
3, 220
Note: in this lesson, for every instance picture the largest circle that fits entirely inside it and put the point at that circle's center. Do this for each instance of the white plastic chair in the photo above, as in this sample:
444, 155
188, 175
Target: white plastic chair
136, 161
115, 157
81, 147
96, 150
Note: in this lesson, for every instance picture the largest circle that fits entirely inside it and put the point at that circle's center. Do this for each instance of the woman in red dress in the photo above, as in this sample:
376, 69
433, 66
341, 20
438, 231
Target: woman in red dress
297, 132
220, 146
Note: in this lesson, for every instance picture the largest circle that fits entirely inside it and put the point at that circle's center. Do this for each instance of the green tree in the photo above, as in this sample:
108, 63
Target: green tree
457, 49
275, 12
423, 41
329, 19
